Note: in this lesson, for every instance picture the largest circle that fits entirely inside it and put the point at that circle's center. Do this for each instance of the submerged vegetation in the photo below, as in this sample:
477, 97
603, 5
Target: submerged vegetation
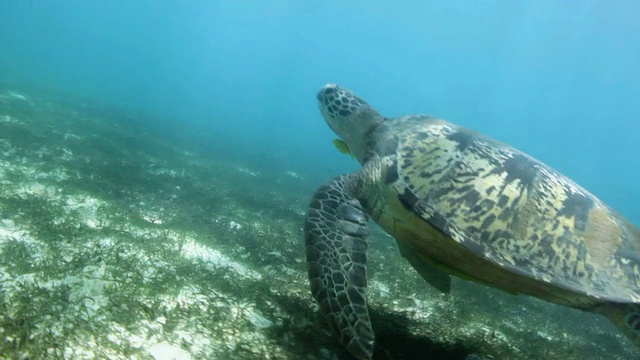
116, 242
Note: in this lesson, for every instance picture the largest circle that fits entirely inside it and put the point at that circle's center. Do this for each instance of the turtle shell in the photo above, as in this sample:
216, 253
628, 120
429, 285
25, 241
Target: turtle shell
483, 210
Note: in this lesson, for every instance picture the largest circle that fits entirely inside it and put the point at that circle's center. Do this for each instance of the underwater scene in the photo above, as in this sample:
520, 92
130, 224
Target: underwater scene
319, 180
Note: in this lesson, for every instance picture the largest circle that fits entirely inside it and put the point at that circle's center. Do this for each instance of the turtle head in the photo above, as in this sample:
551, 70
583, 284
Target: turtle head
349, 117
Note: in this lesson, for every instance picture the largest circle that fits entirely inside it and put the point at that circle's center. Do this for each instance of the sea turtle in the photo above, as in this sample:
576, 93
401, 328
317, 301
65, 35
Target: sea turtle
460, 203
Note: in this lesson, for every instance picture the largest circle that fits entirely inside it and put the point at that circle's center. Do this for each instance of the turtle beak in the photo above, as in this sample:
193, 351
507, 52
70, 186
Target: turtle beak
327, 90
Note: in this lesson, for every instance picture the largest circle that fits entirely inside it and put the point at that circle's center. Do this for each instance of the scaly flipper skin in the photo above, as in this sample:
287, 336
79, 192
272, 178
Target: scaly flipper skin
336, 241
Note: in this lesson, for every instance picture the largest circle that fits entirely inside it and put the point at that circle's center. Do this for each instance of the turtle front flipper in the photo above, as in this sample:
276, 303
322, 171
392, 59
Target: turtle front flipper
335, 233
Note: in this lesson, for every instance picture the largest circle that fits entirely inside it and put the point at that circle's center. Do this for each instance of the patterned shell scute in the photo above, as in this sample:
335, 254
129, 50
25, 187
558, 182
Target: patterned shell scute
513, 210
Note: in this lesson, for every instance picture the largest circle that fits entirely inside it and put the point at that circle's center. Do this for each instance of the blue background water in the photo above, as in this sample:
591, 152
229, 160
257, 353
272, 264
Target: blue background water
557, 79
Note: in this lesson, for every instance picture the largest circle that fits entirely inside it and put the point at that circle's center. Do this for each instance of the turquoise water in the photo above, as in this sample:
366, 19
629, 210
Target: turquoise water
234, 83
556, 79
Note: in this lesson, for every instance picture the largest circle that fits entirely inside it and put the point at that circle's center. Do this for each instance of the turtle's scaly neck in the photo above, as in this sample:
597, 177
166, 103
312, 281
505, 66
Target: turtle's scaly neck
364, 149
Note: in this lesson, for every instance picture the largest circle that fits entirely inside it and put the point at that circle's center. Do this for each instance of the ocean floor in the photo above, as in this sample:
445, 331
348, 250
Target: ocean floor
119, 241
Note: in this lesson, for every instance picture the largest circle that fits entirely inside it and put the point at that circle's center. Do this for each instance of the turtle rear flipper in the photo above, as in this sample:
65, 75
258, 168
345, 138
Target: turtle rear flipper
625, 317
336, 241
436, 278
